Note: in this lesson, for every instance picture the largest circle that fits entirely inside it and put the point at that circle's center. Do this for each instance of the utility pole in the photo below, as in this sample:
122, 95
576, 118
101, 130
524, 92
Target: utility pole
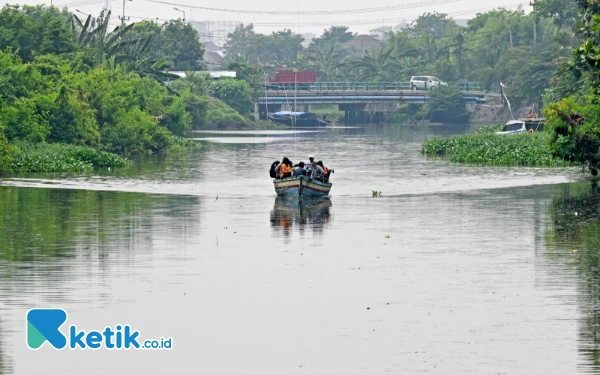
123, 16
511, 38
534, 24
182, 11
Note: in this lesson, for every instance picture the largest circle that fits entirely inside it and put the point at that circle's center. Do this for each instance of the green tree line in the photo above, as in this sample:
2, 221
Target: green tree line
73, 81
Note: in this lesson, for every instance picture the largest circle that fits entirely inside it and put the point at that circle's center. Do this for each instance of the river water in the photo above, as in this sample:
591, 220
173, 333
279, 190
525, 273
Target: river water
453, 270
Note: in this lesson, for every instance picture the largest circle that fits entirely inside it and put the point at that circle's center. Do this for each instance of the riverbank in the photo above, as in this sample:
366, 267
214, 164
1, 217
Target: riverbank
487, 148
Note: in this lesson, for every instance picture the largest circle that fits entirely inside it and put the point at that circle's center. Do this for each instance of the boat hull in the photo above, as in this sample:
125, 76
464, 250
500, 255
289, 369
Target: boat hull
301, 186
299, 122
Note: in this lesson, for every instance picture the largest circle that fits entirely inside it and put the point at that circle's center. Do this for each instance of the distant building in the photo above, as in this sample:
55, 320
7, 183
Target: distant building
214, 31
402, 25
381, 33
308, 38
210, 47
363, 42
214, 60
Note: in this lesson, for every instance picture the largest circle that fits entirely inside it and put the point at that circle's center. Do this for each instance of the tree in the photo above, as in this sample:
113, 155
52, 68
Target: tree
326, 63
253, 74
236, 93
333, 35
446, 105
176, 42
377, 65
31, 31
564, 13
280, 48
436, 25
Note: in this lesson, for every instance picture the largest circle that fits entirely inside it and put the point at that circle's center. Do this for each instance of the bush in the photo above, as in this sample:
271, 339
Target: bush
21, 121
221, 115
57, 157
446, 104
135, 132
574, 123
235, 93
7, 153
485, 147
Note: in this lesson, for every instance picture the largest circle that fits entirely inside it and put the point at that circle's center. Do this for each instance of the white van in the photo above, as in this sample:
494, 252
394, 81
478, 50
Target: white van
425, 82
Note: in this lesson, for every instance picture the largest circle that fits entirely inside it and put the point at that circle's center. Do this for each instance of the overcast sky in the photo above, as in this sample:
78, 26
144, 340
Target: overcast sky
286, 14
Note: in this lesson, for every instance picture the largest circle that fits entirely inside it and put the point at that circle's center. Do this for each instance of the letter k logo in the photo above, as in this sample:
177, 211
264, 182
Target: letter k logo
43, 325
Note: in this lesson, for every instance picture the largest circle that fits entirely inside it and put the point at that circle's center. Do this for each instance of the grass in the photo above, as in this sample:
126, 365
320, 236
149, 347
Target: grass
486, 148
57, 157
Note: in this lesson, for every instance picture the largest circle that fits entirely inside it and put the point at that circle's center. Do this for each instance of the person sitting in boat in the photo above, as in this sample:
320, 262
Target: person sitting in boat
274, 167
300, 171
326, 171
317, 171
285, 169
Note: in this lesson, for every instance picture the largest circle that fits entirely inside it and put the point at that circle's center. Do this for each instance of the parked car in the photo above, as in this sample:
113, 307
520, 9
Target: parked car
425, 82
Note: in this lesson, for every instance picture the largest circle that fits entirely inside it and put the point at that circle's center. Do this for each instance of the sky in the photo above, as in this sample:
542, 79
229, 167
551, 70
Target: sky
307, 16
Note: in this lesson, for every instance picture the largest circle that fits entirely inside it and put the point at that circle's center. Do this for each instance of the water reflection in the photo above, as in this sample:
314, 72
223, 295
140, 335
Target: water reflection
310, 213
4, 365
575, 236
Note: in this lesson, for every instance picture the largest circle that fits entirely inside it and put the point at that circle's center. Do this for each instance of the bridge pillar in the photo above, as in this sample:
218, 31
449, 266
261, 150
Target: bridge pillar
262, 110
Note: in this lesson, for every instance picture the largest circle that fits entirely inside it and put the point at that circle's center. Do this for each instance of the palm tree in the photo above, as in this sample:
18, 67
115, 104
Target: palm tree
114, 51
99, 39
326, 63
377, 66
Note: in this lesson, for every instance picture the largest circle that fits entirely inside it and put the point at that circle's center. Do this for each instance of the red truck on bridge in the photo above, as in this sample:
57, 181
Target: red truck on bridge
290, 80
289, 76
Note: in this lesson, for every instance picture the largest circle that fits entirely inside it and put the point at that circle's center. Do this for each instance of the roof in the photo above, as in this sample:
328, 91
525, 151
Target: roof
213, 59
382, 28
210, 47
363, 41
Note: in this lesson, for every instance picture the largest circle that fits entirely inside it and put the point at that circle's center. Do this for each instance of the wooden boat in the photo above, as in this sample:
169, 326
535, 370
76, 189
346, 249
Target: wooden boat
301, 186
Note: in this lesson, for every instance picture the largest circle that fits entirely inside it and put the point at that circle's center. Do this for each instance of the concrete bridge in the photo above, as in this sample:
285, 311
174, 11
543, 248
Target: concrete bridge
357, 100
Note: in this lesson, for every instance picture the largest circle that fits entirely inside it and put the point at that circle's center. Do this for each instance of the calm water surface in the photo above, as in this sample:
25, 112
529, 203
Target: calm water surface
454, 270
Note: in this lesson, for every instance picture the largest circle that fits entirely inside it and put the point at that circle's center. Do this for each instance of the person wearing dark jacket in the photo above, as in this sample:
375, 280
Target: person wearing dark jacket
300, 171
274, 169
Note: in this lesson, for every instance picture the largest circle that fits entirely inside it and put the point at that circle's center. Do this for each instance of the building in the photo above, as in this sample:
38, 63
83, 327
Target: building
214, 31
363, 42
402, 25
381, 33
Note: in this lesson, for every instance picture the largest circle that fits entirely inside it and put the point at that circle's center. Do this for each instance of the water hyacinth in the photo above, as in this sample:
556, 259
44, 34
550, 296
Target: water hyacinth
486, 148
57, 157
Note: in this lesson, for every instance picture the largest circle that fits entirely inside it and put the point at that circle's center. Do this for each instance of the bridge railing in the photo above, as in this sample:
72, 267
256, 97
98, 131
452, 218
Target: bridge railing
362, 86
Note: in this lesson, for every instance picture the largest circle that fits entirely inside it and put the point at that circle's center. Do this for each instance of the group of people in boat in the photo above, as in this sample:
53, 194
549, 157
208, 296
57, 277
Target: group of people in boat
286, 169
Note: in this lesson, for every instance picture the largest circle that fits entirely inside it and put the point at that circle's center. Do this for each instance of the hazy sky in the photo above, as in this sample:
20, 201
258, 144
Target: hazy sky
286, 14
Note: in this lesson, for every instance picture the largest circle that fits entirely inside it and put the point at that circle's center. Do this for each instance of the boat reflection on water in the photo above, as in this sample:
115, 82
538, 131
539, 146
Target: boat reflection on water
309, 213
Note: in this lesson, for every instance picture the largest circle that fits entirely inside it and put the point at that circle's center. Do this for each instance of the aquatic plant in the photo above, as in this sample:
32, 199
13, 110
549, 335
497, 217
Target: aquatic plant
57, 157
376, 194
485, 147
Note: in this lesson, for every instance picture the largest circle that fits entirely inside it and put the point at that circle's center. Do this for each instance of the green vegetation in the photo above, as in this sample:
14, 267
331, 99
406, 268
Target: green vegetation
222, 115
486, 148
574, 118
235, 93
66, 81
446, 105
42, 157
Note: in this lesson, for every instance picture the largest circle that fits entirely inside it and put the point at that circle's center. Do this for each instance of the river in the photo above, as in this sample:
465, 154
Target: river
453, 270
